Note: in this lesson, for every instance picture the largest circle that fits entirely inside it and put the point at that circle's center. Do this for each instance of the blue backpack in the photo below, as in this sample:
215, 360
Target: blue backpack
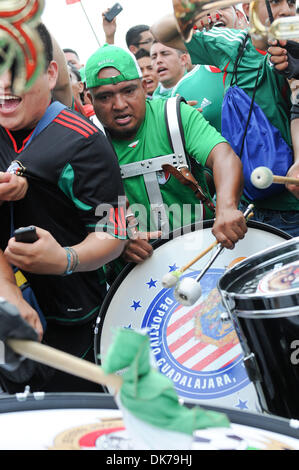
254, 139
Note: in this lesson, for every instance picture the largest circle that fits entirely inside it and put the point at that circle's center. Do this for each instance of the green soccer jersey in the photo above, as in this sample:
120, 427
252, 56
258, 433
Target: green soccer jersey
161, 92
220, 47
205, 85
152, 141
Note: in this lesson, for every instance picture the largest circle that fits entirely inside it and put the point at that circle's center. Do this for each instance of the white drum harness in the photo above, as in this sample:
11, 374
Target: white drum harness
176, 163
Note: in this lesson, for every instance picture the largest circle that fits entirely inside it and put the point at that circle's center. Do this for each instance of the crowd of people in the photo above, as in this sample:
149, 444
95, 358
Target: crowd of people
93, 171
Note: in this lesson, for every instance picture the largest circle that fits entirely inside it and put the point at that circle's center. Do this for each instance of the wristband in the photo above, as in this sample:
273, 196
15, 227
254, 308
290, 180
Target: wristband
72, 260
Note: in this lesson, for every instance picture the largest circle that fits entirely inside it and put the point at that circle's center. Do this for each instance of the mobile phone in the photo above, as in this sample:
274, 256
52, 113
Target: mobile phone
113, 12
26, 234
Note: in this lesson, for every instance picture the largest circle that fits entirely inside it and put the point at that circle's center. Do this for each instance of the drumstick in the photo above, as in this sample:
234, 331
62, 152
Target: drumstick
285, 180
188, 291
198, 257
64, 362
262, 177
170, 279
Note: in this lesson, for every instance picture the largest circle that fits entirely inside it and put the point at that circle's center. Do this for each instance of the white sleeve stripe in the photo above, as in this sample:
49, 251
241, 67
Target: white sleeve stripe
235, 39
228, 34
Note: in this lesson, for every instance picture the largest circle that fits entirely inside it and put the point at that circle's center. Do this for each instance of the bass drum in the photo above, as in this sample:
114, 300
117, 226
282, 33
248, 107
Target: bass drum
60, 421
192, 346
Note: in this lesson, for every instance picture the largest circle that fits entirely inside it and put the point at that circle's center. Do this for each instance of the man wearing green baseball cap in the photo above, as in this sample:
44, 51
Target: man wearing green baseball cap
139, 134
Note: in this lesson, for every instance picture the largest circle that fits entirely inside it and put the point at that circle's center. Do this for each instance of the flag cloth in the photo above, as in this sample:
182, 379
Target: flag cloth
148, 394
69, 2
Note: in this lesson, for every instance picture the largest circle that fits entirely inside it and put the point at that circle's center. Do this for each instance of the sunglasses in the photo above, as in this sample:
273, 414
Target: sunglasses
147, 41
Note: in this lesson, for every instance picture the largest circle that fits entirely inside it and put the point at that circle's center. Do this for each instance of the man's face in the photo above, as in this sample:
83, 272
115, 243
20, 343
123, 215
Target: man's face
145, 41
149, 77
280, 9
77, 86
73, 59
119, 107
228, 17
24, 112
168, 64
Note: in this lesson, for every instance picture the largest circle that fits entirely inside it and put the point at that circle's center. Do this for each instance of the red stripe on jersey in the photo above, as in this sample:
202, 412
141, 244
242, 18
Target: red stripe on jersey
225, 73
79, 120
118, 219
261, 52
74, 128
14, 142
76, 123
213, 69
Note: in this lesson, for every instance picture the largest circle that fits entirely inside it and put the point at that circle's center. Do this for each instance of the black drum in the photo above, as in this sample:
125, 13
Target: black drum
190, 345
261, 295
62, 421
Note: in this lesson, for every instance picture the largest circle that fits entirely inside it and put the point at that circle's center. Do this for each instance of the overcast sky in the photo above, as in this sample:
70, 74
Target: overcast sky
71, 28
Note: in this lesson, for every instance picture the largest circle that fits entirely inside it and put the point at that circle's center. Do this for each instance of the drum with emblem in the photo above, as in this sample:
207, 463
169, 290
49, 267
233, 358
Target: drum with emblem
74, 421
192, 346
261, 295
59, 421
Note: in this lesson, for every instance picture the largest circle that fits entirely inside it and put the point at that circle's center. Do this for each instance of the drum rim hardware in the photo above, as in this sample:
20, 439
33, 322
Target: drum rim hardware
22, 396
12, 403
243, 269
264, 314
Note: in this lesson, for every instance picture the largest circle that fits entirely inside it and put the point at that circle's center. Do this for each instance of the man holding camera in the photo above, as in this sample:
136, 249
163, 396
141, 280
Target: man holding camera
64, 170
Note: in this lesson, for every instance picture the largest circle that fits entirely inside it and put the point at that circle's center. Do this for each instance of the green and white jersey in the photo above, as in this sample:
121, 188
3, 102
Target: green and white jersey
220, 47
161, 92
204, 84
152, 141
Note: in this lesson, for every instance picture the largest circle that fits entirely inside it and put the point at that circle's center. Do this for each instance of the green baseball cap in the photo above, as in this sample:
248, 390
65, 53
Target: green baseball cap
82, 74
111, 56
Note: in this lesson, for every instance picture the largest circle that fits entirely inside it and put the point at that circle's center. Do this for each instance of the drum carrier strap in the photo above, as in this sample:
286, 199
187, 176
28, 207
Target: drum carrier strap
176, 163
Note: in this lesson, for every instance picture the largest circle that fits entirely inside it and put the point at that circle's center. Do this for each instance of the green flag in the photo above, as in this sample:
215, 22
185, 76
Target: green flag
149, 395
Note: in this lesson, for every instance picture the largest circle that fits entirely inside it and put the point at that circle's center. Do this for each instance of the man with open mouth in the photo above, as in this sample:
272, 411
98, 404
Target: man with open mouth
138, 132
203, 85
230, 17
170, 66
149, 76
66, 170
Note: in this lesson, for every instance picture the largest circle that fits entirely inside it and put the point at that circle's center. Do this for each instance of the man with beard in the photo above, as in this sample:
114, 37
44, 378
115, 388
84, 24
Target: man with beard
138, 132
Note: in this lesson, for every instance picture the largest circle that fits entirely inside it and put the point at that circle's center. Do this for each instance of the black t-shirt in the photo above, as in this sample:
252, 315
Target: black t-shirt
71, 169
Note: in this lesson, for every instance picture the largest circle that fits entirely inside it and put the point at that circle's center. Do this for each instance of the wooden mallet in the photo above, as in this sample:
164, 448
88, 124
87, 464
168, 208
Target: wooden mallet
170, 279
262, 178
21, 338
188, 290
